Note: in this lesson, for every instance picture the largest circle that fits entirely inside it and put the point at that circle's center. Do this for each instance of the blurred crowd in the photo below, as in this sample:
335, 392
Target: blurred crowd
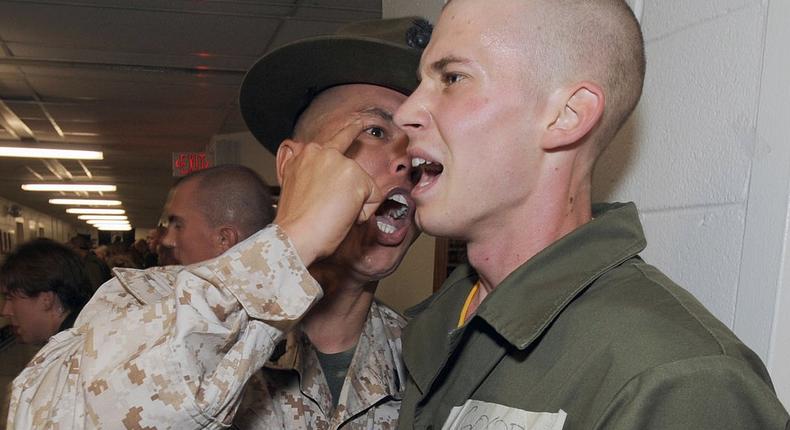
142, 254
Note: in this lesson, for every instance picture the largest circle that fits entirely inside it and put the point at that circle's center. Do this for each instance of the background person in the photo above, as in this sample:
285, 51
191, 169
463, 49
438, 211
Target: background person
45, 287
211, 210
96, 269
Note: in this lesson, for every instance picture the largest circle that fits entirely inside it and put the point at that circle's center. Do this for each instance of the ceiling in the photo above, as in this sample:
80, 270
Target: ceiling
136, 79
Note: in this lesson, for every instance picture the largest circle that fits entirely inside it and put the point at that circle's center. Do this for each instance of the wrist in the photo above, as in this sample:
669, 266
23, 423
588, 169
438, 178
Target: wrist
300, 239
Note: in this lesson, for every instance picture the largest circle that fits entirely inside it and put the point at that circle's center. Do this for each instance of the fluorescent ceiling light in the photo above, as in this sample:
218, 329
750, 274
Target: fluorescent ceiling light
72, 154
84, 134
102, 217
98, 225
114, 228
68, 187
84, 202
93, 211
99, 221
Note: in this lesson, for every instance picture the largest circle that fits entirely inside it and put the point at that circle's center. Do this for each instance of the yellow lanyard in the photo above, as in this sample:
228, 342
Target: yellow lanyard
465, 309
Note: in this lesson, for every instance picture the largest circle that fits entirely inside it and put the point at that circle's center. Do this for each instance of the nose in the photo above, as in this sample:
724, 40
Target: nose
6, 309
413, 115
169, 239
400, 162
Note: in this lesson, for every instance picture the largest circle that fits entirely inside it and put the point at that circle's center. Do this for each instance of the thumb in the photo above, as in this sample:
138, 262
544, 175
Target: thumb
372, 202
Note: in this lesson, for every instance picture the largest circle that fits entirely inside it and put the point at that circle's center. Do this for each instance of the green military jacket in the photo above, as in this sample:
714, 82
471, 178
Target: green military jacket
585, 335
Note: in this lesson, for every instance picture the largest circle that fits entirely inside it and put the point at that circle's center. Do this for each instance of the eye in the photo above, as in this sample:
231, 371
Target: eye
377, 132
450, 78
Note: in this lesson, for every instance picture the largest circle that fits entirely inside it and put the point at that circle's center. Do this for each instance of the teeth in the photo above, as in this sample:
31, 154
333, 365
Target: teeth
386, 228
417, 162
400, 213
400, 199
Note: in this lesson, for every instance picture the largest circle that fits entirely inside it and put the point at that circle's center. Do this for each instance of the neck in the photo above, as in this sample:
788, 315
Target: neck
514, 238
56, 319
337, 320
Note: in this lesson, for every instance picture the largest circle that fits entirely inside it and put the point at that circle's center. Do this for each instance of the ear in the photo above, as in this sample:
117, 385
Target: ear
228, 237
576, 111
47, 300
287, 150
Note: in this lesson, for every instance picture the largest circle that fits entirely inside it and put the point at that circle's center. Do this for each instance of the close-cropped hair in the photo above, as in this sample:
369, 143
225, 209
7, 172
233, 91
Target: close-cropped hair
42, 265
231, 194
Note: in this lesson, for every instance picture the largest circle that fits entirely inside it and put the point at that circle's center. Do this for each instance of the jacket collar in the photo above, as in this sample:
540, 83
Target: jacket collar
529, 299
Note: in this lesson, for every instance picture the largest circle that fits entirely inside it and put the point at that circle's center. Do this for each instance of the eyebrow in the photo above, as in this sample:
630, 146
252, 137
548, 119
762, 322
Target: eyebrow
174, 218
439, 65
383, 114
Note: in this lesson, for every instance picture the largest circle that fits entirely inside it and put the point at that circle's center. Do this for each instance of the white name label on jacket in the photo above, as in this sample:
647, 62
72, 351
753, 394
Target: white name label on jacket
478, 415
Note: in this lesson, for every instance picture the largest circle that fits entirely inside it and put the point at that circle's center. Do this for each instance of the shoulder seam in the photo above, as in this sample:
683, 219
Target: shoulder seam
688, 311
660, 366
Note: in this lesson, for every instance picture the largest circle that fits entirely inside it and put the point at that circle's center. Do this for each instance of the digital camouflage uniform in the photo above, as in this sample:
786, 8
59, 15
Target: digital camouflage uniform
291, 391
168, 348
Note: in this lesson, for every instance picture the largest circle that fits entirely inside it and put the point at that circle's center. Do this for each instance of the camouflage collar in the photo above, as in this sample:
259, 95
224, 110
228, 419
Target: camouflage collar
376, 371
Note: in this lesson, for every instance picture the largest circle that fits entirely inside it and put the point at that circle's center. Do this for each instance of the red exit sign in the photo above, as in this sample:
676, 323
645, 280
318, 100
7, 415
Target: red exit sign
185, 163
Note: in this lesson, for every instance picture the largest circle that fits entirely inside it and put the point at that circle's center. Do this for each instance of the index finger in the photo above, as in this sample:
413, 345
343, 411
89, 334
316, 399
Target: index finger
343, 139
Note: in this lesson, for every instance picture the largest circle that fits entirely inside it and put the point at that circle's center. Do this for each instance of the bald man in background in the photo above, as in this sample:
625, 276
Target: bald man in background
211, 210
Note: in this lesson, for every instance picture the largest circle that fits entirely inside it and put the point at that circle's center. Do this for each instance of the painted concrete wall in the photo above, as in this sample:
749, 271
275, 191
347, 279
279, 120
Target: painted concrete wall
32, 220
767, 237
429, 9
706, 158
242, 148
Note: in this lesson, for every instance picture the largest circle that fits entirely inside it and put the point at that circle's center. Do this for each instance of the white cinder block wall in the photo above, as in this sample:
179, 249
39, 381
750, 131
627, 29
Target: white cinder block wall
706, 158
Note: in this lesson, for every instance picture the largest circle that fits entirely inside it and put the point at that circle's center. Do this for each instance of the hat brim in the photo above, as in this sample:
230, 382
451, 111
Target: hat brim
282, 83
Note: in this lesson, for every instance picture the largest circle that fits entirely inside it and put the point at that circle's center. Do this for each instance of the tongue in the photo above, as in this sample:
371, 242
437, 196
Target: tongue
426, 171
390, 228
388, 208
385, 217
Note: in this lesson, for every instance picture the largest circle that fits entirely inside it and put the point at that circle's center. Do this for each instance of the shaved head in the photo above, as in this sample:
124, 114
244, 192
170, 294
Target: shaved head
312, 119
570, 41
233, 195
598, 40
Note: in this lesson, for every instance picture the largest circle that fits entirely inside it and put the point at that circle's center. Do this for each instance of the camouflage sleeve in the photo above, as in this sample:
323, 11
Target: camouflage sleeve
180, 361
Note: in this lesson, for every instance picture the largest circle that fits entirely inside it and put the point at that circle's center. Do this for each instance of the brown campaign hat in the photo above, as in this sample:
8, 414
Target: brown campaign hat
281, 84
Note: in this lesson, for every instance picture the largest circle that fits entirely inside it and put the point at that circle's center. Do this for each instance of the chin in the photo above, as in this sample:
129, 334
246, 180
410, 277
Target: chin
428, 223
381, 263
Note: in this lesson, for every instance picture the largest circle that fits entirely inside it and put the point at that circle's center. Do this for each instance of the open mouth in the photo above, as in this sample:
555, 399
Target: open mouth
393, 217
425, 172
